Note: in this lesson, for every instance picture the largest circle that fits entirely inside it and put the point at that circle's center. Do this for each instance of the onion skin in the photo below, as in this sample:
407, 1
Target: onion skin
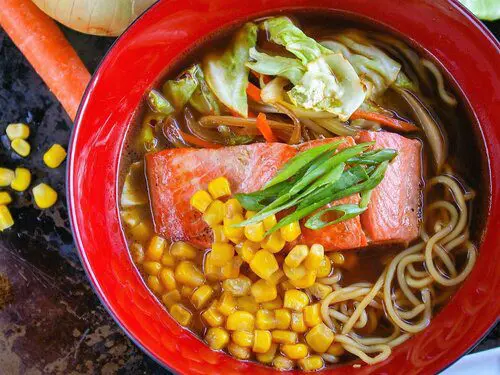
96, 17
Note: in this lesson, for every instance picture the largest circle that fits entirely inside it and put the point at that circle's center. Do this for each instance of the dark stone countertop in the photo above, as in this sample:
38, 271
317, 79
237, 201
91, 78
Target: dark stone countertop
55, 324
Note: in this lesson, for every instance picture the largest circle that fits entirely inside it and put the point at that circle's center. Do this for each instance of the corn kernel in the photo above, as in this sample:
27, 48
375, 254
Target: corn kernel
274, 242
337, 258
151, 268
154, 284
263, 291
237, 351
201, 200
183, 250
234, 234
171, 298
188, 274
22, 179
6, 177
222, 253
298, 324
247, 250
305, 282
295, 300
269, 222
240, 321
211, 271
156, 248
312, 315
294, 273
315, 256
247, 303
232, 207
295, 351
286, 285
255, 232
167, 278
264, 264
218, 233
276, 303
282, 363
214, 214
187, 291
320, 291
219, 187
311, 363
284, 337
336, 349
181, 314
137, 252
227, 303
238, 286
141, 232
324, 268
283, 318
231, 269
201, 296
212, 316
217, 338
296, 256
20, 146
291, 231
167, 260
54, 156
249, 214
276, 277
242, 338
319, 338
5, 198
14, 131
44, 195
262, 341
6, 220
268, 356
265, 319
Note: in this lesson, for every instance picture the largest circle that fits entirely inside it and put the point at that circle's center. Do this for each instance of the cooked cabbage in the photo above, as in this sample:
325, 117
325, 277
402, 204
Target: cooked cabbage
134, 187
292, 69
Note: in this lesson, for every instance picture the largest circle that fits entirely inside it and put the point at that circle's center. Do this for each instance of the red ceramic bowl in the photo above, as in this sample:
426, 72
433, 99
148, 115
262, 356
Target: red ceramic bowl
444, 28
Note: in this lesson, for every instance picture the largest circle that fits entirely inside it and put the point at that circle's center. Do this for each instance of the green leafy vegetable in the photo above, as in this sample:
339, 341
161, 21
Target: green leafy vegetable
348, 212
227, 74
274, 90
159, 103
377, 69
202, 99
180, 90
292, 69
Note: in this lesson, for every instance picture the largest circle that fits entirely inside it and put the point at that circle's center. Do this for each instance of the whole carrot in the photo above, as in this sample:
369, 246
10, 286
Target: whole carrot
44, 45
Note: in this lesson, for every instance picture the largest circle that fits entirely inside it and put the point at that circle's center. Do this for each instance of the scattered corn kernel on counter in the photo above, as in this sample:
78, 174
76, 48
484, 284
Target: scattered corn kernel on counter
290, 211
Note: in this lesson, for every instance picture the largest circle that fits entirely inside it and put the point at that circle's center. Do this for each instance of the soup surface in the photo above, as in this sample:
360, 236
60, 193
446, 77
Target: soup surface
298, 191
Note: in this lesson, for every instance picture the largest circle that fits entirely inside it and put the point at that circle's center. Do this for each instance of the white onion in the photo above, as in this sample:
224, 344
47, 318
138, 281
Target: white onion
97, 17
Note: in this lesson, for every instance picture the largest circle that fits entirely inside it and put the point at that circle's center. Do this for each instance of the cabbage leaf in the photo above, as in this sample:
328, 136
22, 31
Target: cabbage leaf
178, 91
202, 99
226, 72
376, 69
292, 69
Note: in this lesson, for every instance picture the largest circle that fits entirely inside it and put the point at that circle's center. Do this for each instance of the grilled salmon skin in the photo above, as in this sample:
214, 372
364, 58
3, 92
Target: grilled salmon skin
174, 175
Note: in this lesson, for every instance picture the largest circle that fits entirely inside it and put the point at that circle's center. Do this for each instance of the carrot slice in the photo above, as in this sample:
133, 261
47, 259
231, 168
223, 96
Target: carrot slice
390, 122
44, 45
264, 128
253, 92
197, 141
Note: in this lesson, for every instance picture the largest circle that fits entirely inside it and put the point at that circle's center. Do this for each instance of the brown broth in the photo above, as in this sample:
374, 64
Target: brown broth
466, 151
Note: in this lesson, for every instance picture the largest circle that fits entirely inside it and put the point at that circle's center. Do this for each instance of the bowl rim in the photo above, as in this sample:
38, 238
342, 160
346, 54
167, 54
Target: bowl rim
70, 189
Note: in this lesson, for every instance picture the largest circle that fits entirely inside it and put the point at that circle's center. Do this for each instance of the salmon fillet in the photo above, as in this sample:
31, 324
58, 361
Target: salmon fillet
393, 212
344, 235
174, 175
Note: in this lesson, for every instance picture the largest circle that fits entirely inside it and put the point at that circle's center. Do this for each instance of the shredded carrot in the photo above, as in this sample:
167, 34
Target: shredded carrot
253, 92
197, 141
44, 45
393, 123
264, 128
